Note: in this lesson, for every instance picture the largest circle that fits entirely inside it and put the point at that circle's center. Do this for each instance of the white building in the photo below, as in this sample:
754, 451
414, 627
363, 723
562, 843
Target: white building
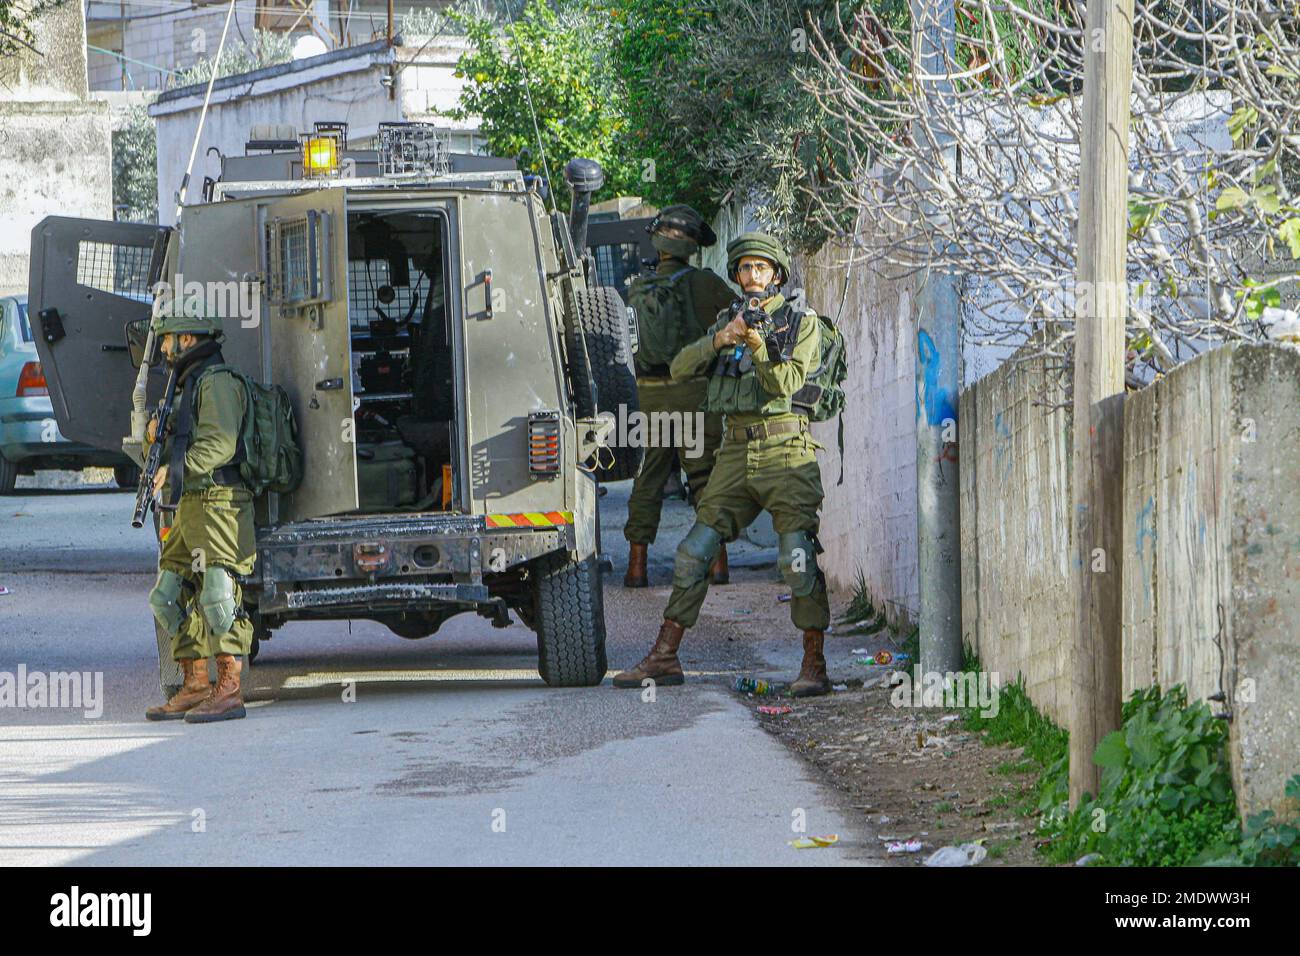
142, 44
362, 86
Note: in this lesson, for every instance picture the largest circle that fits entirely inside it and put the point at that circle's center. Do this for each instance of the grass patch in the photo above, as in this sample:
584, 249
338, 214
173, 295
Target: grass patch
1166, 793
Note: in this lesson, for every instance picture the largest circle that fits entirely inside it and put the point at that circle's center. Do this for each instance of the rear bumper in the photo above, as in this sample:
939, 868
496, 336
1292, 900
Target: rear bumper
429, 561
29, 434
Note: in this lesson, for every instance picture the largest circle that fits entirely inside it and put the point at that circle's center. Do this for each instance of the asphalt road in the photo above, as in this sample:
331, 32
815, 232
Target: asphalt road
453, 751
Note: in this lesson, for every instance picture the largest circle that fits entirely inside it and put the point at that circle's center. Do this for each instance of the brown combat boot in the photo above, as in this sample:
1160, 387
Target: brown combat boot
661, 664
636, 566
193, 692
224, 703
718, 573
812, 680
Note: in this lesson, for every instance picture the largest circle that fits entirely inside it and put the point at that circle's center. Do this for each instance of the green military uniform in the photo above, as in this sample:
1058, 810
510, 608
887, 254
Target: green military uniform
213, 522
767, 463
708, 295
208, 539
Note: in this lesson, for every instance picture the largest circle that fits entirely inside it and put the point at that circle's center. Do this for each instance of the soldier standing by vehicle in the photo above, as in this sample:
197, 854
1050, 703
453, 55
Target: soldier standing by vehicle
767, 460
674, 306
208, 538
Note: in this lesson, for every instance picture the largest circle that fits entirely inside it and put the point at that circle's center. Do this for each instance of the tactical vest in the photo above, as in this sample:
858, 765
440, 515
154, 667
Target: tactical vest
730, 394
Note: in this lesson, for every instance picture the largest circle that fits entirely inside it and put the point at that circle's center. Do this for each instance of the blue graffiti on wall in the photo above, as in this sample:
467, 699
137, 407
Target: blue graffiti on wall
937, 401
1146, 531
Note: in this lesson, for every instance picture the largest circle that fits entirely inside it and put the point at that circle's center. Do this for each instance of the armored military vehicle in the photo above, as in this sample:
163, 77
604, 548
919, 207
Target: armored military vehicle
451, 362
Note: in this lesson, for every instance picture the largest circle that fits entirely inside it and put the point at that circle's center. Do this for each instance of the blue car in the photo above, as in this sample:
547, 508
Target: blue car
29, 435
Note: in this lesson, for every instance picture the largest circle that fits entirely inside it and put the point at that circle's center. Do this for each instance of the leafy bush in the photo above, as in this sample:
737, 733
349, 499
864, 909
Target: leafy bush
135, 162
558, 62
1166, 789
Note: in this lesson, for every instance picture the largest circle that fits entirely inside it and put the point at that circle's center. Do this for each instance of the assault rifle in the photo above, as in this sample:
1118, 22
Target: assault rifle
144, 491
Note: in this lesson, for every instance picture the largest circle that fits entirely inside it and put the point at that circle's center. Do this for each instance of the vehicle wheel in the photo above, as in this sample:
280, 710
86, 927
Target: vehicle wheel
170, 677
8, 476
254, 649
569, 613
126, 476
602, 317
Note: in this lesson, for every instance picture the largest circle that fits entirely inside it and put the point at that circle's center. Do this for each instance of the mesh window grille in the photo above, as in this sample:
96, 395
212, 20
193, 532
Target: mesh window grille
363, 289
297, 255
615, 264
121, 270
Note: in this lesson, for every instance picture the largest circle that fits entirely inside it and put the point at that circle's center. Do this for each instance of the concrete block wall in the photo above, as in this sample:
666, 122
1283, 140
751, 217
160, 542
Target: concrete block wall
1014, 474
55, 147
869, 521
1211, 547
156, 44
1212, 551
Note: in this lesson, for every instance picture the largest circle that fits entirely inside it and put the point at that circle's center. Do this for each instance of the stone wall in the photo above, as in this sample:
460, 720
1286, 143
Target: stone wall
1211, 549
55, 147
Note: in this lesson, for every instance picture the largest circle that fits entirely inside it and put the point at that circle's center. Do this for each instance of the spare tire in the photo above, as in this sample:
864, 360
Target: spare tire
603, 358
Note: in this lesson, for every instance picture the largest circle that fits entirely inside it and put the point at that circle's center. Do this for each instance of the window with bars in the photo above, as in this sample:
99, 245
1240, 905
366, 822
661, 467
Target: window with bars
109, 267
298, 258
616, 264
367, 276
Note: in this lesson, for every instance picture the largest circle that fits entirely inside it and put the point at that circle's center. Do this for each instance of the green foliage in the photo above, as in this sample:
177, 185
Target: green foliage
135, 161
1018, 723
17, 21
719, 100
1166, 789
560, 60
441, 21
267, 49
1265, 841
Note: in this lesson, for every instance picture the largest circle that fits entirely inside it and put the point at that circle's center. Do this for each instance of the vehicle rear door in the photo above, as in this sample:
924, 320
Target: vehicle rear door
88, 280
304, 249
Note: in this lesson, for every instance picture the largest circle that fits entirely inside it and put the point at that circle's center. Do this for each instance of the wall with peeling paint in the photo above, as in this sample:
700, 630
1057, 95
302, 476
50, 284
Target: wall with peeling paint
55, 147
1211, 551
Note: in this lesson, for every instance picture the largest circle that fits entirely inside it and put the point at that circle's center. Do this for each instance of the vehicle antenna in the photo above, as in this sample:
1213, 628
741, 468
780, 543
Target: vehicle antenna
528, 96
207, 98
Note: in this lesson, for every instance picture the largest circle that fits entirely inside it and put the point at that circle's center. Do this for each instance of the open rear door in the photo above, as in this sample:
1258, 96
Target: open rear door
88, 279
304, 244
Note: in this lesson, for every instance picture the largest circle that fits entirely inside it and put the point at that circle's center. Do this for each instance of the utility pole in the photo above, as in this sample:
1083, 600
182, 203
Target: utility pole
938, 362
1098, 465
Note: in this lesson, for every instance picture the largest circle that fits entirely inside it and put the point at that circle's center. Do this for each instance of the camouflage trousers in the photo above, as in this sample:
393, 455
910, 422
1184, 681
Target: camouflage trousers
660, 395
778, 474
211, 528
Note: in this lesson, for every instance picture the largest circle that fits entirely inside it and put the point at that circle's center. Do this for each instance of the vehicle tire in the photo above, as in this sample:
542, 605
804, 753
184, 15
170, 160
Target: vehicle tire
254, 648
607, 361
127, 476
569, 612
8, 475
170, 677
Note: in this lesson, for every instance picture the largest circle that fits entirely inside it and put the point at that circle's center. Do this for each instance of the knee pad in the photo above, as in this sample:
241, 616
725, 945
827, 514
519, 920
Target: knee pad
798, 562
694, 555
165, 601
218, 599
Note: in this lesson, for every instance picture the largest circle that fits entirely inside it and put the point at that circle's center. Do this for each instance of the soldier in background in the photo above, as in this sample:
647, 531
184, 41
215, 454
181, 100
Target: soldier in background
674, 306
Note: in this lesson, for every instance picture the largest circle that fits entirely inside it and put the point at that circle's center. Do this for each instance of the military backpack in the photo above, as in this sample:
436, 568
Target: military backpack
822, 396
268, 455
665, 317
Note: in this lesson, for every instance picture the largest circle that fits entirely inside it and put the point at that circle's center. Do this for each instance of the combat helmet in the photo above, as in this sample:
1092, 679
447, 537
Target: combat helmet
757, 244
686, 219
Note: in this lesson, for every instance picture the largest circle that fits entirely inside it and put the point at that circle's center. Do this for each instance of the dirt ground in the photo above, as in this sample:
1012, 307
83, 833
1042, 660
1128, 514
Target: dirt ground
915, 773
